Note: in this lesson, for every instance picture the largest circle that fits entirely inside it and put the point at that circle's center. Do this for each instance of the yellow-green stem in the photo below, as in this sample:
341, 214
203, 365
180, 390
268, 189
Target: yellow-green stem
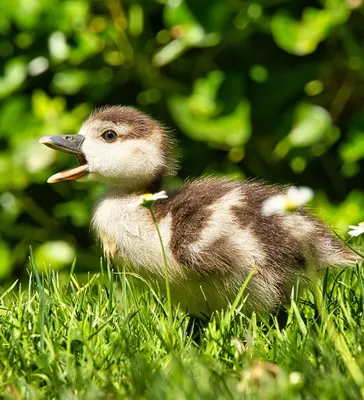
166, 276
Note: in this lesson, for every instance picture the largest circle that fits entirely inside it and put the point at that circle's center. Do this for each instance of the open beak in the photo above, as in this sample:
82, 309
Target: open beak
68, 144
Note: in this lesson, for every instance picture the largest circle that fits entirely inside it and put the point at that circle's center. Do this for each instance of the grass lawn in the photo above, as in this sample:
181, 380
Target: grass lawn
108, 337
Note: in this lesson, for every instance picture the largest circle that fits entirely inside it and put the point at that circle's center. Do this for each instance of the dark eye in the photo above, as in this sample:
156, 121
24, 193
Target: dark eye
109, 136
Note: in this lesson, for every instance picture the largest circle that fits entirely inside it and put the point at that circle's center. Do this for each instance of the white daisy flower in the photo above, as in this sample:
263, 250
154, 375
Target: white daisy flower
148, 199
356, 230
294, 198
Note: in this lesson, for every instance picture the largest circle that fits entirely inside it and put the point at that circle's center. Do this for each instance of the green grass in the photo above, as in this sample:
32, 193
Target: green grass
107, 336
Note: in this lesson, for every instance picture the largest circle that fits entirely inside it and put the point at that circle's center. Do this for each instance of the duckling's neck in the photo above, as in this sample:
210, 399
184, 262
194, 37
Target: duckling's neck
130, 189
155, 186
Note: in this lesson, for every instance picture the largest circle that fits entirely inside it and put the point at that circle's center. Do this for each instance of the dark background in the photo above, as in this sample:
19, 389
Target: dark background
271, 89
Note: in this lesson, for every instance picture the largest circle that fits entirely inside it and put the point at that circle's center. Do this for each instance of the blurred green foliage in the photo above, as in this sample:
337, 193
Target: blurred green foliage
263, 88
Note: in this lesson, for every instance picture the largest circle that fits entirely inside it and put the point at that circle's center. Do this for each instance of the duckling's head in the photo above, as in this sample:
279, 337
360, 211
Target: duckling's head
120, 146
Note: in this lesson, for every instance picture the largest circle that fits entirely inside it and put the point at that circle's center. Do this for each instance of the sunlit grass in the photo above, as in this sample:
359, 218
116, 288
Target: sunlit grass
109, 336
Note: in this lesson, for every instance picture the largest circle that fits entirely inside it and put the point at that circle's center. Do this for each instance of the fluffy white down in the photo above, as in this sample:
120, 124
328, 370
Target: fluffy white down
127, 162
127, 234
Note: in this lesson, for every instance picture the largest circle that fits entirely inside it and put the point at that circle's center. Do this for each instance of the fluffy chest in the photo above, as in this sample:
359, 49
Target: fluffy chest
127, 233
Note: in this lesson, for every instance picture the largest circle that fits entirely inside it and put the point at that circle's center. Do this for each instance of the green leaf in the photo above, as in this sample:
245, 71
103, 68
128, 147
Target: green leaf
352, 149
232, 130
178, 13
302, 37
215, 112
5, 260
70, 81
54, 254
311, 124
14, 76
198, 28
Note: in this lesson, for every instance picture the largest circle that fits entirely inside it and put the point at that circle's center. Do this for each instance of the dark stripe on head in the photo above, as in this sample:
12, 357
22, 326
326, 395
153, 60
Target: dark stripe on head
141, 125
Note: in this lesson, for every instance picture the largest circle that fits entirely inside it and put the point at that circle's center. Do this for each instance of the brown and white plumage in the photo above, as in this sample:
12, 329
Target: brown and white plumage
213, 230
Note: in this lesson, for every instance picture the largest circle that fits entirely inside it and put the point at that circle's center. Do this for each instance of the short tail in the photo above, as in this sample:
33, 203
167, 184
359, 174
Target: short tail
340, 255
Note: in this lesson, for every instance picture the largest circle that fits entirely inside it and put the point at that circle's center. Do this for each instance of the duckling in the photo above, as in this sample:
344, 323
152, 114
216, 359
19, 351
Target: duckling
214, 232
